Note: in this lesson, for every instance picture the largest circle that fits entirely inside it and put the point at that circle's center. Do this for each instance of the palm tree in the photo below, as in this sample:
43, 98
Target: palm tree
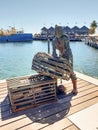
93, 24
93, 27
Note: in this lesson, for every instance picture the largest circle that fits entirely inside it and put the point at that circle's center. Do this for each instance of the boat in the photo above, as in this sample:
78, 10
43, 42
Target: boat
14, 35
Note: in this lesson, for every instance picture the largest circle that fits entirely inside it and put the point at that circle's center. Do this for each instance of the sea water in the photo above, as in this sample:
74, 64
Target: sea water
16, 58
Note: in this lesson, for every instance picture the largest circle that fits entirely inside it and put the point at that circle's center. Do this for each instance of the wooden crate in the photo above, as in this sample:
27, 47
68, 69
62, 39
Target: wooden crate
55, 67
31, 91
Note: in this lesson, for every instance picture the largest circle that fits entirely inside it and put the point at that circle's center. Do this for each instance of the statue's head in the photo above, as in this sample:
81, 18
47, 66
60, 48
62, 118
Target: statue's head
58, 31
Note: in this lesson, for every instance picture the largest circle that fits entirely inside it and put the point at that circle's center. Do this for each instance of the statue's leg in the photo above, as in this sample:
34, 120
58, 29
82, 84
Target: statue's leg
54, 54
74, 81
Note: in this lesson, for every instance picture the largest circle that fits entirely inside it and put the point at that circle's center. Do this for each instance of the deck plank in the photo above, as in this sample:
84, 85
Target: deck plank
50, 116
72, 127
83, 105
58, 125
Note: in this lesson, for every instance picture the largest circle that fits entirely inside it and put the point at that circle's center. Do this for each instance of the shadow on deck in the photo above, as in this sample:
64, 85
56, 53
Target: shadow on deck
48, 113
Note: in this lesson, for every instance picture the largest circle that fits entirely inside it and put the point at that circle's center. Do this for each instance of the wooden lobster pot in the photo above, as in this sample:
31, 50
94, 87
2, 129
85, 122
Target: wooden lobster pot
31, 91
55, 67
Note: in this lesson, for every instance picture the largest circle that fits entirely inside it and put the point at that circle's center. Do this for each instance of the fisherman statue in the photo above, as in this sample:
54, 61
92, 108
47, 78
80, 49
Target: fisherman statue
61, 43
57, 66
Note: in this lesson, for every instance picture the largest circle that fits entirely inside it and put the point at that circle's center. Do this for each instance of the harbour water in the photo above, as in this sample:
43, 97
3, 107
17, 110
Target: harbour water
16, 58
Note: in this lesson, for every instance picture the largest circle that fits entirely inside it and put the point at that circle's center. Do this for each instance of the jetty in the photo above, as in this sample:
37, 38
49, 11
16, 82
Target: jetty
62, 114
92, 41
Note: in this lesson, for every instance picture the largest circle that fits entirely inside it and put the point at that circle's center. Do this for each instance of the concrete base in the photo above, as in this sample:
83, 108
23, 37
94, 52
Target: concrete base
86, 119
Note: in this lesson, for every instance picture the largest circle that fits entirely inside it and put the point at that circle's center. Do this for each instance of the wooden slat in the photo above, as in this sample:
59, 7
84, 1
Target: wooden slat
62, 107
71, 127
68, 86
56, 67
82, 93
58, 125
15, 125
69, 89
30, 125
83, 105
51, 116
84, 98
87, 91
80, 86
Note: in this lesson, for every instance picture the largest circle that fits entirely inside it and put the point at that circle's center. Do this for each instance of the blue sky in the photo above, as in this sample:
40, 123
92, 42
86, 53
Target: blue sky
32, 15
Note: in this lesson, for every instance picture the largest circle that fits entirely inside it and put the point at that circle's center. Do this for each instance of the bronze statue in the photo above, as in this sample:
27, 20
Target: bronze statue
61, 43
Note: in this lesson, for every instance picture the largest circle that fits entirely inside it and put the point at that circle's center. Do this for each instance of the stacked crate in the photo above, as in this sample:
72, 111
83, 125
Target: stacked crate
57, 67
31, 91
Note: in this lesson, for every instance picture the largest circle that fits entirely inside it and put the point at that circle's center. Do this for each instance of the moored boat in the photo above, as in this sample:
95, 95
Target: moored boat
14, 35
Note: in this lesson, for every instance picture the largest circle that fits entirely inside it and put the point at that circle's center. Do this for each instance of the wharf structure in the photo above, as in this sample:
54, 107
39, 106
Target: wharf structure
56, 115
92, 40
73, 33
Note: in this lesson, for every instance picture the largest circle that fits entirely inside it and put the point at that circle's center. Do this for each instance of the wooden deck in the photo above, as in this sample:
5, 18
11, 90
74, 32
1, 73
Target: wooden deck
52, 116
